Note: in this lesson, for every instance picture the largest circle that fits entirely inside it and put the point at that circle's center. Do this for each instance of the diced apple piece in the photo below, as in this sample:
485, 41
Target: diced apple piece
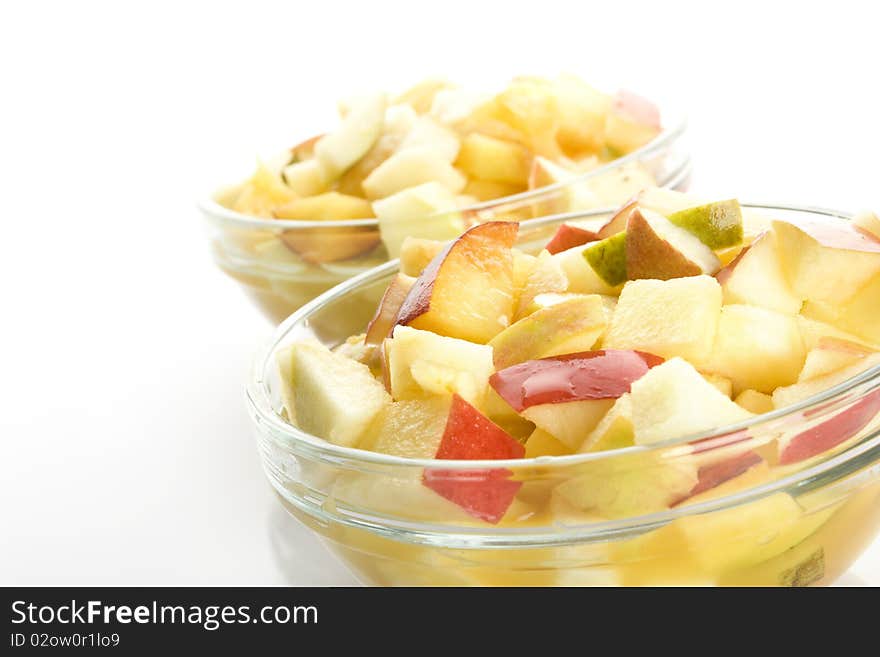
568, 327
399, 120
545, 275
284, 359
582, 112
421, 362
488, 158
409, 168
798, 446
814, 330
830, 355
656, 248
467, 290
547, 299
410, 428
541, 443
421, 95
354, 137
745, 534
262, 193
454, 106
582, 278
335, 398
416, 253
570, 196
306, 178
325, 207
718, 225
427, 134
632, 122
469, 435
305, 150
678, 317
330, 244
427, 211
529, 105
756, 277
383, 321
620, 183
827, 261
608, 259
788, 395
569, 422
856, 315
755, 402
757, 348
632, 485
523, 266
673, 401
615, 430
713, 475
571, 377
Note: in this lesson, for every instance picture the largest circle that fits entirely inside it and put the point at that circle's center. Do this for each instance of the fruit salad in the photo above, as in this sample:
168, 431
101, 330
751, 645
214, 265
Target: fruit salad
639, 338
430, 162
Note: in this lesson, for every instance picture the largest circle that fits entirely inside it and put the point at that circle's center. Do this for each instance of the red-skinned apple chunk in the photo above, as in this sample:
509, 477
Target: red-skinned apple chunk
470, 435
567, 396
827, 261
713, 475
830, 433
467, 290
603, 374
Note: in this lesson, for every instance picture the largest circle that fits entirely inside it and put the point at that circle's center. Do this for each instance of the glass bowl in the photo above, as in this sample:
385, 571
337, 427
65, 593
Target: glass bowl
252, 250
719, 508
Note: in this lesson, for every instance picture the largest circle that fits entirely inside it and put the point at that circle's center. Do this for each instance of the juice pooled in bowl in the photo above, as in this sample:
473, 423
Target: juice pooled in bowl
429, 162
649, 384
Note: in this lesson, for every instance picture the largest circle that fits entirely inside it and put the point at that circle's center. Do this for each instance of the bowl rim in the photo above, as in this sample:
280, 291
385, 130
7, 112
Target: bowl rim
211, 208
263, 414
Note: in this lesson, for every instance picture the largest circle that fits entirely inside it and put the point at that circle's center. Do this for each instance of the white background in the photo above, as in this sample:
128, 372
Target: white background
126, 451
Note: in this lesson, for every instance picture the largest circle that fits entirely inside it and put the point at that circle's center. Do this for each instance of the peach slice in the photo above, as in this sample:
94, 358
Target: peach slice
382, 323
467, 290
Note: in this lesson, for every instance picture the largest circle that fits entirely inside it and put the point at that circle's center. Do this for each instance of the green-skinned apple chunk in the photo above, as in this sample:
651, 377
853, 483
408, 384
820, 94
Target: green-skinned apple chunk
570, 326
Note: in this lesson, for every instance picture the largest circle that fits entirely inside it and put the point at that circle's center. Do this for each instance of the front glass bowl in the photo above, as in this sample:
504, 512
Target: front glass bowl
253, 252
791, 524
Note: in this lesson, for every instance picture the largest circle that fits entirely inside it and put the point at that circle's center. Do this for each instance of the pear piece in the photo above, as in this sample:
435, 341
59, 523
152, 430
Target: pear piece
718, 225
608, 259
656, 248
